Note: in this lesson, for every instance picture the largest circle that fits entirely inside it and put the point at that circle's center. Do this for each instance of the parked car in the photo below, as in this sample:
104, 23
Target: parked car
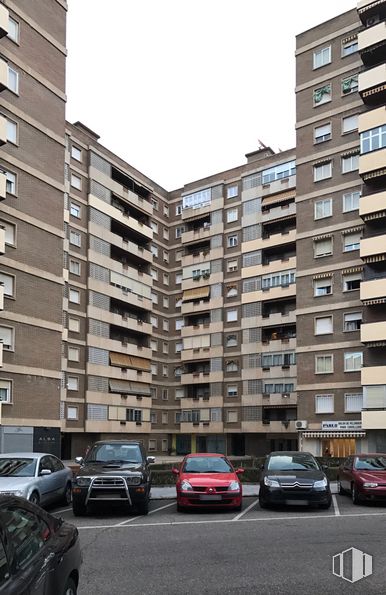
293, 478
39, 477
207, 480
113, 471
364, 477
39, 553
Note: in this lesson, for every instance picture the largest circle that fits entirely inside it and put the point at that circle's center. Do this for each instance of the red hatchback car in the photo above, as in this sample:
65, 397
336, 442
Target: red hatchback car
208, 480
364, 477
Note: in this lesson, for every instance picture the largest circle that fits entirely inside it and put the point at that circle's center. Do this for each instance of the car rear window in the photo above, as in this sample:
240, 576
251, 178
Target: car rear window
292, 463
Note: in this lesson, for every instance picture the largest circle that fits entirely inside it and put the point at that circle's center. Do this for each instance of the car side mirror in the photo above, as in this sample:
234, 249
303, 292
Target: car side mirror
45, 472
150, 460
239, 471
79, 460
175, 471
325, 467
262, 467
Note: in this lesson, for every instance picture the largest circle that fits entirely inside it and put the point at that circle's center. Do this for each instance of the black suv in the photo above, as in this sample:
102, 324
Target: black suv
113, 471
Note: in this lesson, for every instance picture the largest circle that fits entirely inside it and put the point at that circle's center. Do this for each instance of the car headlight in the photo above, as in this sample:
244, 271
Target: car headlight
83, 482
186, 486
13, 493
370, 484
234, 486
320, 484
271, 483
134, 480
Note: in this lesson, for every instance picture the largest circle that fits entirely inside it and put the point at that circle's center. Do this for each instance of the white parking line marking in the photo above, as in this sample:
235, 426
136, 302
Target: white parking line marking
248, 520
123, 523
336, 507
162, 507
60, 511
236, 518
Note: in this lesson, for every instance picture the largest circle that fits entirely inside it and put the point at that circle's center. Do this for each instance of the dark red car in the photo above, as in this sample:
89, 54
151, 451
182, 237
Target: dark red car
364, 477
208, 480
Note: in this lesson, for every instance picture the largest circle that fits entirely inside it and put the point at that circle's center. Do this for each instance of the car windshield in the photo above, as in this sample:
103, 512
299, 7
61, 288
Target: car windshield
207, 465
109, 453
371, 464
296, 462
17, 467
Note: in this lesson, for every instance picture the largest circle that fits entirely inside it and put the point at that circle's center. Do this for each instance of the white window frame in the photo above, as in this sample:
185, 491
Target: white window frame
325, 357
317, 243
324, 206
353, 356
76, 153
346, 278
322, 171
351, 45
11, 183
322, 133
353, 245
350, 163
328, 404
12, 131
232, 215
351, 201
75, 210
11, 331
346, 121
73, 296
325, 98
6, 385
74, 352
75, 238
355, 409
76, 182
232, 241
75, 270
75, 327
231, 315
321, 57
11, 279
73, 383
72, 412
351, 317
10, 232
14, 88
13, 30
232, 191
328, 324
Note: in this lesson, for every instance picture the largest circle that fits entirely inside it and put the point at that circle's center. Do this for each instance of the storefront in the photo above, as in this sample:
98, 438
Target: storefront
335, 439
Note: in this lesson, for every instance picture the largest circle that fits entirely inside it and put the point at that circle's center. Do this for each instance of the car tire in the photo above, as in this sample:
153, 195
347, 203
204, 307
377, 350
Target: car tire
326, 506
340, 489
263, 503
180, 508
70, 588
238, 508
79, 508
67, 496
34, 498
143, 508
356, 499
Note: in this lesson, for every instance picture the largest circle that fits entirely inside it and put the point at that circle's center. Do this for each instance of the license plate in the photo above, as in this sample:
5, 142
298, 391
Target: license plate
210, 498
297, 502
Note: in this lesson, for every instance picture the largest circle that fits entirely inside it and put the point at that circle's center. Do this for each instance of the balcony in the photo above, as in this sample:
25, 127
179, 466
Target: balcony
122, 191
1, 354
125, 321
372, 85
373, 206
202, 280
373, 375
3, 74
117, 427
202, 427
200, 377
201, 329
373, 165
119, 294
1, 297
3, 129
268, 345
3, 186
273, 427
201, 305
279, 186
122, 218
370, 8
2, 240
272, 266
4, 19
115, 373
373, 291
373, 249
372, 44
201, 211
373, 420
278, 318
201, 352
270, 293
201, 402
199, 258
202, 233
374, 334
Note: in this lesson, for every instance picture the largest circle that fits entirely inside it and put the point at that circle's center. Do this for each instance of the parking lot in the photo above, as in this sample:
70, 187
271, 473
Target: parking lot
282, 550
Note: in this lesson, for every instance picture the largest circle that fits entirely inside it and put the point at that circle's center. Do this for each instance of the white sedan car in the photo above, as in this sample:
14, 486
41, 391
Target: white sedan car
39, 477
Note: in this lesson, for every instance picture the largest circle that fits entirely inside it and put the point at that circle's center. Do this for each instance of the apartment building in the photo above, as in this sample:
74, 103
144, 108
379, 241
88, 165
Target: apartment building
32, 112
242, 313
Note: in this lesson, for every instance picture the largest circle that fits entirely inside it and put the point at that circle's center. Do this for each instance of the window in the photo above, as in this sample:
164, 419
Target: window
75, 267
76, 182
353, 402
324, 403
231, 315
165, 347
322, 133
134, 415
278, 172
349, 124
373, 139
154, 274
352, 241
7, 337
74, 296
74, 325
323, 325
351, 201
201, 198
322, 286
231, 341
276, 280
351, 282
165, 233
73, 383
179, 323
75, 238
179, 208
232, 191
231, 291
75, 210
11, 131
154, 321
153, 344
178, 346
165, 278
11, 183
165, 325
232, 215
350, 163
353, 361
76, 153
164, 372
5, 391
322, 171
179, 231
232, 416
231, 266
72, 412
352, 321
324, 364
10, 232
154, 369
350, 84
165, 302
154, 297
180, 393
13, 80
154, 250
165, 417
231, 366
232, 241
13, 30
178, 278
322, 95
73, 354
232, 391
154, 203
166, 211
154, 226
28, 533
153, 417
349, 47
9, 284
323, 208
322, 57
152, 444
215, 414
322, 247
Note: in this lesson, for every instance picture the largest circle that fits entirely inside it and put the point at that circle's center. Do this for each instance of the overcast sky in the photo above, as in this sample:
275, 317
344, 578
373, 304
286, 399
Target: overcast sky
182, 89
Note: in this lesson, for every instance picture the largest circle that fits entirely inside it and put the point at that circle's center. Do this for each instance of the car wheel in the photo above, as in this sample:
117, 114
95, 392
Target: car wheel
143, 507
79, 508
263, 503
180, 508
326, 506
70, 588
354, 495
340, 489
67, 496
34, 498
238, 508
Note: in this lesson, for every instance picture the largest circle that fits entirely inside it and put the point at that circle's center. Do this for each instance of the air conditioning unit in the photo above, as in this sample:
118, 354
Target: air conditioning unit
301, 424
372, 20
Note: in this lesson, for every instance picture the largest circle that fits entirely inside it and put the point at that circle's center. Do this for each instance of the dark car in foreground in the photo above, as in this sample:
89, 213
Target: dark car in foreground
293, 478
364, 477
114, 471
207, 480
39, 553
